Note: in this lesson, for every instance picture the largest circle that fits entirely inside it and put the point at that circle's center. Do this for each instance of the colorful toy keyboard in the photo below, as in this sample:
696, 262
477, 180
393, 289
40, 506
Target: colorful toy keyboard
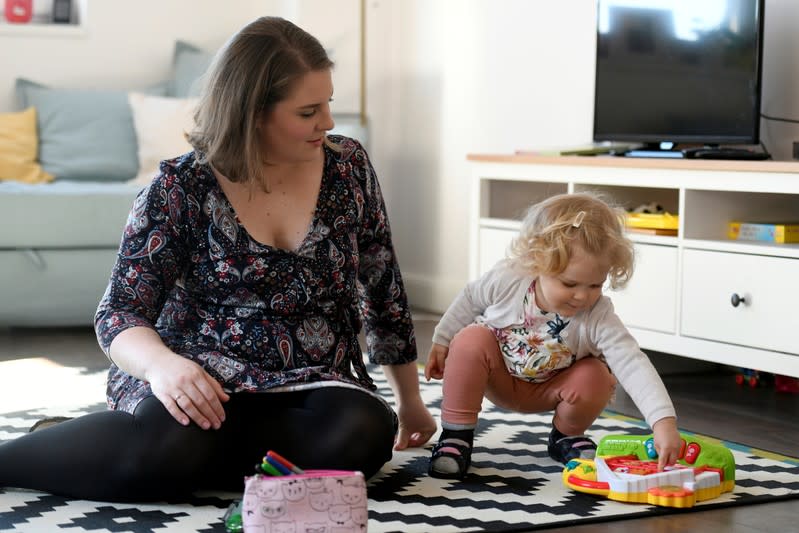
625, 469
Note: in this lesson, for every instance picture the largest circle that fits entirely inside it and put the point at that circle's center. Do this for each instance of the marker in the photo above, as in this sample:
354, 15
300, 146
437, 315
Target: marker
285, 462
269, 469
277, 466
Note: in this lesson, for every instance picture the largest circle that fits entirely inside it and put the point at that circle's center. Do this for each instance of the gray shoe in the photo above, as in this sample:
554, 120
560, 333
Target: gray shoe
47, 422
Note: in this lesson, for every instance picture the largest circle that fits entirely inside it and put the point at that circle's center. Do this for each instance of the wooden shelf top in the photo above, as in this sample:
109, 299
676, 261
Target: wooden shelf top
641, 162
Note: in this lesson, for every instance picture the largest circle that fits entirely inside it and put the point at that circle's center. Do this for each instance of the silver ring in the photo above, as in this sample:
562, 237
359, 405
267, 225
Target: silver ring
178, 397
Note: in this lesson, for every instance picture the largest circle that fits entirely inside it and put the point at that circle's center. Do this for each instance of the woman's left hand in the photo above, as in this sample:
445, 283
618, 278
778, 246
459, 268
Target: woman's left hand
416, 424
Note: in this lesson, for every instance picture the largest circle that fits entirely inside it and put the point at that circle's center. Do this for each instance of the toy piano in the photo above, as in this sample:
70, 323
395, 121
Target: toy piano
625, 469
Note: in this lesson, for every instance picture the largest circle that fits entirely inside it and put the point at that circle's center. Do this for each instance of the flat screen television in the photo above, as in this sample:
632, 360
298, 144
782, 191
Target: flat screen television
678, 72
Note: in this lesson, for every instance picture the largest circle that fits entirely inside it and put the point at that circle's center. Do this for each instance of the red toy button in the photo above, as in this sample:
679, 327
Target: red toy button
692, 453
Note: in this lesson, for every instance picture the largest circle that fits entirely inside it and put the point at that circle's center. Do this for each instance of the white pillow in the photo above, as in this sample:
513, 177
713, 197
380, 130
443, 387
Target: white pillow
161, 124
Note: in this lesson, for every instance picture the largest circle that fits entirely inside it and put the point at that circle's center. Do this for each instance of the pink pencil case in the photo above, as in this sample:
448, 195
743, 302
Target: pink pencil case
318, 500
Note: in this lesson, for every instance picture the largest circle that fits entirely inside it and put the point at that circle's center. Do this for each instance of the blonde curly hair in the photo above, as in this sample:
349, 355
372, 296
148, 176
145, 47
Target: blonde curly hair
553, 228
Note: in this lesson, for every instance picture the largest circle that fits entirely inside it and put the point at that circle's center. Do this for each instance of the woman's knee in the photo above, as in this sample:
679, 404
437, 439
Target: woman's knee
355, 432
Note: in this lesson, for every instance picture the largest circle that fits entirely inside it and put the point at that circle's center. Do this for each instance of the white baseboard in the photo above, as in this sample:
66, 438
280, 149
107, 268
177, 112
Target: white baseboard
431, 294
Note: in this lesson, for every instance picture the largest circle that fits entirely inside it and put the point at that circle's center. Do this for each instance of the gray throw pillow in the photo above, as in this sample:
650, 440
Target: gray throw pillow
189, 65
84, 135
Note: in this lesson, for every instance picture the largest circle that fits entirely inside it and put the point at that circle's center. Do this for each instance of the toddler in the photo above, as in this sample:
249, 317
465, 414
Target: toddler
535, 334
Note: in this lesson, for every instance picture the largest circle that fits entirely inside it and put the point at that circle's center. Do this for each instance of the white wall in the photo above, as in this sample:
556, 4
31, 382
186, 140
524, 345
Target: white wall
466, 76
124, 44
445, 78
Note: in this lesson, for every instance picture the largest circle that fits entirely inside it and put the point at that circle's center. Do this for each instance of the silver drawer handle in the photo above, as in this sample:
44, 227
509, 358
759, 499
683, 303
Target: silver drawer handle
735, 300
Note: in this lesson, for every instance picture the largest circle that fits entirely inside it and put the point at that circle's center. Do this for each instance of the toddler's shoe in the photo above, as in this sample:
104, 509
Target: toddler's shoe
451, 459
567, 448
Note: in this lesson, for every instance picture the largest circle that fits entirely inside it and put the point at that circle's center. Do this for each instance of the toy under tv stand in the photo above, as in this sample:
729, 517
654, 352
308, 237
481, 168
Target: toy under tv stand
679, 300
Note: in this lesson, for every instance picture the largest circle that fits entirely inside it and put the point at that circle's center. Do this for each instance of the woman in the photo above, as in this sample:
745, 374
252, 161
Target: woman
232, 315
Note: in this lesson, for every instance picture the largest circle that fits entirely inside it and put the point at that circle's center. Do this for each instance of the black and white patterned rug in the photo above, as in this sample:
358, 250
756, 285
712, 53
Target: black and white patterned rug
513, 485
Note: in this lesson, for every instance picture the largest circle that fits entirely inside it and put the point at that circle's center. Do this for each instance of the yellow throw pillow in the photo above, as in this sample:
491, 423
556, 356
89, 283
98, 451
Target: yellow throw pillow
18, 148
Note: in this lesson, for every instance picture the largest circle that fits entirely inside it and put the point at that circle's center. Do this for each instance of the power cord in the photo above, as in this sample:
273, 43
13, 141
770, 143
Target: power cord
789, 120
780, 119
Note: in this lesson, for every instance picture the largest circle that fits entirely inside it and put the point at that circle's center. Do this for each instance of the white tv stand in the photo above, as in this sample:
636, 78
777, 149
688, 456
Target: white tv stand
679, 300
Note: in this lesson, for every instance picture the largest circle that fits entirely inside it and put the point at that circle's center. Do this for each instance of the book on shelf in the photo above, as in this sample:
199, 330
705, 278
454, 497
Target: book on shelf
664, 221
776, 232
653, 231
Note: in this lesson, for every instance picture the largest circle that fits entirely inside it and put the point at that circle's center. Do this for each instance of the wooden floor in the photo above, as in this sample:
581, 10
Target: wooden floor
706, 397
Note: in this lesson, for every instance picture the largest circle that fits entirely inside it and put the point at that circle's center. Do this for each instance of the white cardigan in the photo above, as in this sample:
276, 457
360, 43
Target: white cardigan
498, 295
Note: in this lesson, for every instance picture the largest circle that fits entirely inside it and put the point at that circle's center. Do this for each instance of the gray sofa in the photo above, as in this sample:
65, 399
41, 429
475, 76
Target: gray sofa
58, 242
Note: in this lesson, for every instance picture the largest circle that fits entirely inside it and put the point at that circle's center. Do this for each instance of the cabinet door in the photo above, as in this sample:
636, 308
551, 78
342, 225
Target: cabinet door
766, 318
493, 246
649, 300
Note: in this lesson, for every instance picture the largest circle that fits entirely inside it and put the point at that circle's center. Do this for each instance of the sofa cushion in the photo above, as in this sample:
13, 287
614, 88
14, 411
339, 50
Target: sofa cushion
84, 135
160, 123
63, 214
44, 288
189, 66
18, 148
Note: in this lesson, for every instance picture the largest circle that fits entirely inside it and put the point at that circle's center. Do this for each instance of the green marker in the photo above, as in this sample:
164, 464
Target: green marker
269, 469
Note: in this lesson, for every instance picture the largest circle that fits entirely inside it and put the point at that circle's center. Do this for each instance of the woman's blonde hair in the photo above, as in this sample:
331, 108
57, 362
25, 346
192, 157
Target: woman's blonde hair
255, 70
553, 228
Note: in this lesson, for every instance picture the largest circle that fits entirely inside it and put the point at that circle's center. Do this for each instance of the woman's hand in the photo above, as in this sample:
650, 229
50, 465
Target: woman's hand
435, 362
188, 392
667, 441
416, 424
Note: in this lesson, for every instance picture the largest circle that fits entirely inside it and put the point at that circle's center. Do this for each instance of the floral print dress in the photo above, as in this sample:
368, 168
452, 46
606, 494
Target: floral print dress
257, 317
534, 350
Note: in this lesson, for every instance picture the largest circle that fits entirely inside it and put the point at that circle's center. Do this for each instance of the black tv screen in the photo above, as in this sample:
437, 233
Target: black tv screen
678, 71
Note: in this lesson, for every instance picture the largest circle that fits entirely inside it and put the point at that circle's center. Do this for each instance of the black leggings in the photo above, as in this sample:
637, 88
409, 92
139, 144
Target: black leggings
116, 456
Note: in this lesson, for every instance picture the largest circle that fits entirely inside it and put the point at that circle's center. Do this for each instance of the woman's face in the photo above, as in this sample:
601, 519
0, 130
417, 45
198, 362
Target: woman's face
293, 131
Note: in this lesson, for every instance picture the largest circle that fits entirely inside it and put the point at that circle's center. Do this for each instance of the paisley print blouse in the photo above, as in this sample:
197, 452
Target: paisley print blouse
257, 317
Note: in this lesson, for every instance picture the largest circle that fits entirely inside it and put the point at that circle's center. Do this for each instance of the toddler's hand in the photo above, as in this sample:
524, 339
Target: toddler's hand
435, 362
667, 441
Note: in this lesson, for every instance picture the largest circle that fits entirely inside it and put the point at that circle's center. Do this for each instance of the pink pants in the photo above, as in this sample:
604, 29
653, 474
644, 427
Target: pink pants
474, 368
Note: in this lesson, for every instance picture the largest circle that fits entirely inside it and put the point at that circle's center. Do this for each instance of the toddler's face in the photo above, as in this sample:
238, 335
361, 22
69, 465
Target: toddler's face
577, 288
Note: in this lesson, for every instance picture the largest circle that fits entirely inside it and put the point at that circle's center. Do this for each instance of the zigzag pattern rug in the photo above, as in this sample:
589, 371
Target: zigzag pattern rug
513, 485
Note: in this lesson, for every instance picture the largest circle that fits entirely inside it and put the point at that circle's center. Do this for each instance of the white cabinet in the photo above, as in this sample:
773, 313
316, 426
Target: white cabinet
742, 299
494, 244
680, 299
649, 300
